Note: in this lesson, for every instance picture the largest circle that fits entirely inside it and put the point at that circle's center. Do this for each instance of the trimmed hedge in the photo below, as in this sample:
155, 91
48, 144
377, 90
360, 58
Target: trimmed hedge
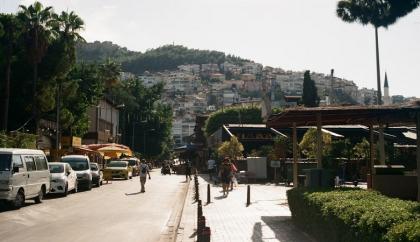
348, 214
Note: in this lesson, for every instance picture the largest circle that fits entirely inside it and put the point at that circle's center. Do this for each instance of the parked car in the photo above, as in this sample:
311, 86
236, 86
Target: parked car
63, 178
119, 169
134, 163
81, 165
97, 174
24, 175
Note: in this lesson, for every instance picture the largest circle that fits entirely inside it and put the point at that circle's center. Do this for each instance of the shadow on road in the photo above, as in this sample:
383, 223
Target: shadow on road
131, 194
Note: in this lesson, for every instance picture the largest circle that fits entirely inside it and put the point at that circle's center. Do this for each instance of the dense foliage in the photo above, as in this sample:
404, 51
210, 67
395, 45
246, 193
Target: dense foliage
103, 51
235, 115
167, 57
310, 94
146, 122
41, 76
232, 148
354, 215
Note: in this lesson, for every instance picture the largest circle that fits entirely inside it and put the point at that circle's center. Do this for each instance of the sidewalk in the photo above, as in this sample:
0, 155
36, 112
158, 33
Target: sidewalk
268, 217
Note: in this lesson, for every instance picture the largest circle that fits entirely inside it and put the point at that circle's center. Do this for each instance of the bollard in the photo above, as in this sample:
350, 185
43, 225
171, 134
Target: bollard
201, 224
205, 235
208, 193
199, 209
248, 196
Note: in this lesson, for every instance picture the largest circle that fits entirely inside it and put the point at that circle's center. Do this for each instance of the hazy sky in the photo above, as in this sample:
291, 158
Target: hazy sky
291, 34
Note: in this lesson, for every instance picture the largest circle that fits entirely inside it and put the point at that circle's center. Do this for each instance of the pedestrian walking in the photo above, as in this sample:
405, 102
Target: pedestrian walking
210, 167
233, 171
144, 171
188, 170
225, 176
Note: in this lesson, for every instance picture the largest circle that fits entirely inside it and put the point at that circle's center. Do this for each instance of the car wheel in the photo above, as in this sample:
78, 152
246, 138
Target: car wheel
89, 187
101, 182
66, 190
19, 200
98, 184
38, 199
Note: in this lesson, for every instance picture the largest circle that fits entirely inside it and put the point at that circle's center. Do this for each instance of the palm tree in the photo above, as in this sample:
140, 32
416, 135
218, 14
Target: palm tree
378, 13
8, 41
37, 23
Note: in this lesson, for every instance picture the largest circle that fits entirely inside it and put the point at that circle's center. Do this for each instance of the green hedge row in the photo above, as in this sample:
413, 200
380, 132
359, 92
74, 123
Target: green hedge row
354, 215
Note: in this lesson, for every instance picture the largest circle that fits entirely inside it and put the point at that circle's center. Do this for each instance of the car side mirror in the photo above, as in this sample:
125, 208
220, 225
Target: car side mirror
15, 169
67, 173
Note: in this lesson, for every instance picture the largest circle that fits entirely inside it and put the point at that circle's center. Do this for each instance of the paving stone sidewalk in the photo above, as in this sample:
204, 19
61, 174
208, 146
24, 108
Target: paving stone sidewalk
268, 217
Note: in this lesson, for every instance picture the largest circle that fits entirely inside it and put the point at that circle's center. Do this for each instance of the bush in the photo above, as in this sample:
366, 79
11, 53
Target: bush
408, 231
351, 214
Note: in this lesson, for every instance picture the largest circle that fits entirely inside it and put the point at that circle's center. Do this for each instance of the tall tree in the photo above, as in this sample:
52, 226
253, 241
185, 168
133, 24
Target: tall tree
8, 43
37, 22
378, 13
310, 94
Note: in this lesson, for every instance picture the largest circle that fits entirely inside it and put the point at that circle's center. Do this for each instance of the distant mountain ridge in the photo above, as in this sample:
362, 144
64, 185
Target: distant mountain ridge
166, 57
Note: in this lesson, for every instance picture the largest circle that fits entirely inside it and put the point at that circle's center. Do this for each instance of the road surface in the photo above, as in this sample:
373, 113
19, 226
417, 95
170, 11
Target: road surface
113, 212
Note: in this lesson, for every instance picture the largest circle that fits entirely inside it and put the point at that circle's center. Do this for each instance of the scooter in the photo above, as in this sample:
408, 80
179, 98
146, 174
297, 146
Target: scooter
166, 170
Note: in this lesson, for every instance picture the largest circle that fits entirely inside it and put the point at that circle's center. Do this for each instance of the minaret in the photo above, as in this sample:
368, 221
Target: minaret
387, 98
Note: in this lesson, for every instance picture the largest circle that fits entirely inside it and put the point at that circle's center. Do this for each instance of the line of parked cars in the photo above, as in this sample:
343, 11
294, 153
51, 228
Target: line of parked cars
26, 174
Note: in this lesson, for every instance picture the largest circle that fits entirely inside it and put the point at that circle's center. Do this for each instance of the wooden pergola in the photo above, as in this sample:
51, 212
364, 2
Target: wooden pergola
364, 115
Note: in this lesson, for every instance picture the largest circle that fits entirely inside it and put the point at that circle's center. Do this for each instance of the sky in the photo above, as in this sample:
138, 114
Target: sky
291, 34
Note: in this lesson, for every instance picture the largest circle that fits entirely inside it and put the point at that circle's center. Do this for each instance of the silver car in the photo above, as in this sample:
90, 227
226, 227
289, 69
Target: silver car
97, 174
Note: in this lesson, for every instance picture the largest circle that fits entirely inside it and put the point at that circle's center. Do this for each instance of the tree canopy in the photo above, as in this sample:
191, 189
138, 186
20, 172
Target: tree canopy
232, 149
379, 13
233, 115
310, 94
167, 57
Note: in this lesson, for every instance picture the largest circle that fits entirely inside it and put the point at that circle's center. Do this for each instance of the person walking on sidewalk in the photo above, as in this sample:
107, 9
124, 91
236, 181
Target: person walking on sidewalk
225, 176
144, 171
188, 170
210, 166
233, 171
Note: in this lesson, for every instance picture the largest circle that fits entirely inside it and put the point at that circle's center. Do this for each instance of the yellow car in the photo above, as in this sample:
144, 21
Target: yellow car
119, 169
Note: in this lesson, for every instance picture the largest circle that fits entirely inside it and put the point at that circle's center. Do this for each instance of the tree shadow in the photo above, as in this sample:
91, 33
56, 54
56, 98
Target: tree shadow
285, 230
257, 233
213, 182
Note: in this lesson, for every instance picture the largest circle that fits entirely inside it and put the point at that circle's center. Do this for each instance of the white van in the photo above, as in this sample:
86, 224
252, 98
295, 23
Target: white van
24, 174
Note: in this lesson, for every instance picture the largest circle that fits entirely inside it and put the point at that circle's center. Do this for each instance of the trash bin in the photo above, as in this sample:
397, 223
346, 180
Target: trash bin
301, 180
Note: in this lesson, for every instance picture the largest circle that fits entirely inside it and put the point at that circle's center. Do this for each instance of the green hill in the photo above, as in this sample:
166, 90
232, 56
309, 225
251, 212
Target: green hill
167, 57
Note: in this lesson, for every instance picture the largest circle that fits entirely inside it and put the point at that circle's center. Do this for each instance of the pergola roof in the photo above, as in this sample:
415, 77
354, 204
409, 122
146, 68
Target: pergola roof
365, 115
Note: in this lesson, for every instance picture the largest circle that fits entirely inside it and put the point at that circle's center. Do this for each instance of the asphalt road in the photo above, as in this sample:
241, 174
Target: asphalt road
113, 212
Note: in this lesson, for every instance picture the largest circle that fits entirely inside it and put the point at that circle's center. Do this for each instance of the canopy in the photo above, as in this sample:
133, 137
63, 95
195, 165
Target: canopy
113, 151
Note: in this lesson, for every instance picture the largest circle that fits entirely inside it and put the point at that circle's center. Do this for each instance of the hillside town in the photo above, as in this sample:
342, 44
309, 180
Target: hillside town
192, 142
199, 89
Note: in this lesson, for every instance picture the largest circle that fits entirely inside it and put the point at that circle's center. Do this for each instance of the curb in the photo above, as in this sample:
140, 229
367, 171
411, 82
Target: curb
172, 226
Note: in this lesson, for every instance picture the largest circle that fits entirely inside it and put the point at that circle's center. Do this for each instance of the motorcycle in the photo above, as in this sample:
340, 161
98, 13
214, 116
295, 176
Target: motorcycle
166, 170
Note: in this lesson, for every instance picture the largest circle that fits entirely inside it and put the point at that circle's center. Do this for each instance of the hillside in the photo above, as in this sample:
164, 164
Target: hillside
101, 51
167, 57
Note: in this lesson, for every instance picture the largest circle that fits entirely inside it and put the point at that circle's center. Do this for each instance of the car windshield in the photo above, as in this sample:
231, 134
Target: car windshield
78, 164
55, 168
5, 161
117, 164
132, 162
93, 167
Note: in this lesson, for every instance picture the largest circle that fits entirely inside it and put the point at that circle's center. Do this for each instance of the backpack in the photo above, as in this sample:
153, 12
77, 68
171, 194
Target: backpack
143, 169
